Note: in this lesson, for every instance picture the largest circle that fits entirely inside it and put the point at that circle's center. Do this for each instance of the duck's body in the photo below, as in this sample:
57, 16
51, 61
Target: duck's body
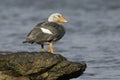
48, 32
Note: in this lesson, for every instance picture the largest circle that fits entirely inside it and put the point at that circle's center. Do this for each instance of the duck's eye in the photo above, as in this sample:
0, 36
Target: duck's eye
59, 16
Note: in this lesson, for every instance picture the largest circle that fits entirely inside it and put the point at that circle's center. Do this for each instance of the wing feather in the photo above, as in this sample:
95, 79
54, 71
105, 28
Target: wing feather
37, 35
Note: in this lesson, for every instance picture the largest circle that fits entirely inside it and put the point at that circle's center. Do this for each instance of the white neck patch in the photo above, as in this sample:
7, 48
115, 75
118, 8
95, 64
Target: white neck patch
47, 31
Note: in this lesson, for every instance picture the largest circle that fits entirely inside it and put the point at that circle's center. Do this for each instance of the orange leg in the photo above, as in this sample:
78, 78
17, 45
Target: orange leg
51, 47
42, 48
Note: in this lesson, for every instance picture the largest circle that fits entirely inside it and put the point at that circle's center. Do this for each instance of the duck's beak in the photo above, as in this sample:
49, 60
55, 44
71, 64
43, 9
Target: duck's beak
62, 20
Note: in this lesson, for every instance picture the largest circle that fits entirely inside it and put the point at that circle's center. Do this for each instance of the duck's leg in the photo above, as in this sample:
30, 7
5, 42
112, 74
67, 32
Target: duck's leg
51, 47
42, 48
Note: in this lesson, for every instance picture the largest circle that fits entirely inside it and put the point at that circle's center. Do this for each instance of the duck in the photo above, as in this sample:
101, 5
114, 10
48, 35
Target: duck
47, 32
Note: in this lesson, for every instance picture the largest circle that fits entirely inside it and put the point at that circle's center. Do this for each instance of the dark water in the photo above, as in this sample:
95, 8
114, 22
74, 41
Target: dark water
93, 31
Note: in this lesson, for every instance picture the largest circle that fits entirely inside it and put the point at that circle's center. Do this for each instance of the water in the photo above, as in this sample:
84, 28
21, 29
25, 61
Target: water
93, 32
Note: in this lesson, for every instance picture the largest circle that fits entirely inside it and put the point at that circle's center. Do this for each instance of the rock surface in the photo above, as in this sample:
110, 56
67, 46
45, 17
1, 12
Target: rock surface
38, 66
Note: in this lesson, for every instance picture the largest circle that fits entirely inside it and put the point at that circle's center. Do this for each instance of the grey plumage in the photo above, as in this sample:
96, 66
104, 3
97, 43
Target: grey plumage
38, 36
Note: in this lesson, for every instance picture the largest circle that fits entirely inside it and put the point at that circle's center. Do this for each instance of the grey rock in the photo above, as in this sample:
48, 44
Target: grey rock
38, 66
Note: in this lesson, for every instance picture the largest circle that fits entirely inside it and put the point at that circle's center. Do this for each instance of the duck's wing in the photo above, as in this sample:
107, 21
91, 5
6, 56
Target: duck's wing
39, 34
45, 32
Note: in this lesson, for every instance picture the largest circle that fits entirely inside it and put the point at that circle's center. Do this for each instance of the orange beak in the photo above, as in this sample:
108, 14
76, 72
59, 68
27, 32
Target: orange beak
62, 19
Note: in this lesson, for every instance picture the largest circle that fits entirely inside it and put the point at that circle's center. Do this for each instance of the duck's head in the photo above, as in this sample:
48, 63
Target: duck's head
57, 17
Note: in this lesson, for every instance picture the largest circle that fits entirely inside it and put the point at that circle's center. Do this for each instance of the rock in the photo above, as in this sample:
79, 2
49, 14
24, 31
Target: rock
38, 66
